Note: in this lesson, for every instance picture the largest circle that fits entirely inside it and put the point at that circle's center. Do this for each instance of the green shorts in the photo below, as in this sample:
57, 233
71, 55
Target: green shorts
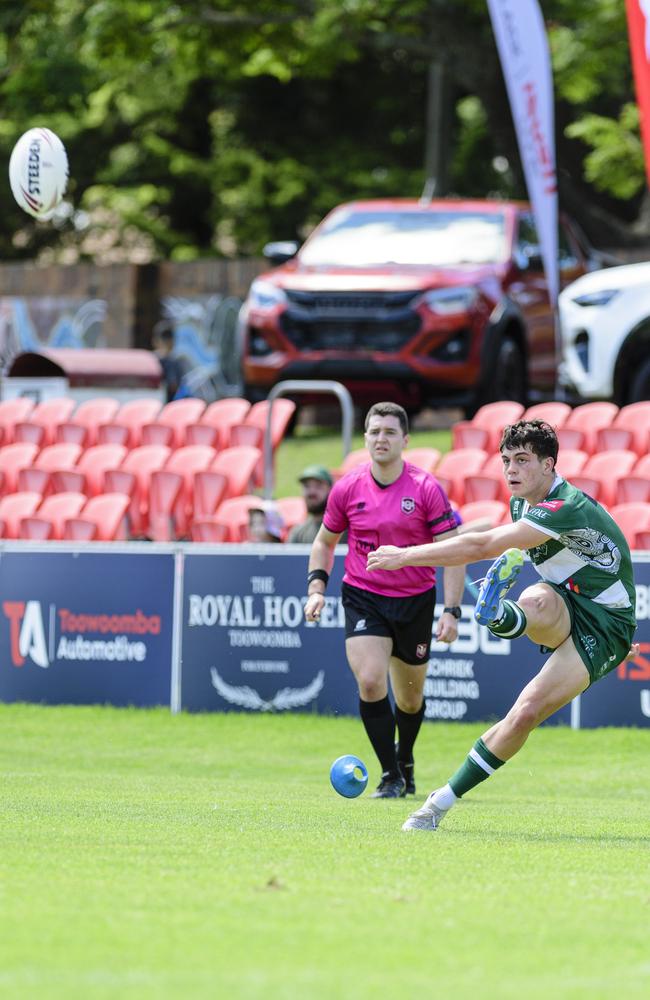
602, 636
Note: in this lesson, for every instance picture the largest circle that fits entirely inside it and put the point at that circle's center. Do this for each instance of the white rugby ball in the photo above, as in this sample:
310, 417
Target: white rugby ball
38, 172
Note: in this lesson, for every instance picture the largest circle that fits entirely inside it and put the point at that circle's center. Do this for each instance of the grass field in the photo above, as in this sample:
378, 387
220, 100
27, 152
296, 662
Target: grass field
321, 446
151, 856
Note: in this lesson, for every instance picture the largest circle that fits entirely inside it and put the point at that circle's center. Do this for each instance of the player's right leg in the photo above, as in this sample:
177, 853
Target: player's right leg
539, 612
369, 658
562, 678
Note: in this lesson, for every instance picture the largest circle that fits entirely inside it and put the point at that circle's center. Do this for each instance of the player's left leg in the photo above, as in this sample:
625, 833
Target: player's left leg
407, 681
562, 678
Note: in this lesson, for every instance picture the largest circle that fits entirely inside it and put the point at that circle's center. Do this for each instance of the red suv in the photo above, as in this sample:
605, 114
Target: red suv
420, 302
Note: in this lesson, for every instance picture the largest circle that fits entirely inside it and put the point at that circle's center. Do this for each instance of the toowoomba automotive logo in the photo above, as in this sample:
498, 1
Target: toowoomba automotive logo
43, 634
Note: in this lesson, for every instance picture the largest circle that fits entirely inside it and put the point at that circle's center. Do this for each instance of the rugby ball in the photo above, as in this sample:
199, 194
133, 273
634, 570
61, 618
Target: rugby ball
38, 172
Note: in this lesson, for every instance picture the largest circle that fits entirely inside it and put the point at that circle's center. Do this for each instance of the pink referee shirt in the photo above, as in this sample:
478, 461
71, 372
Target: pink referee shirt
411, 511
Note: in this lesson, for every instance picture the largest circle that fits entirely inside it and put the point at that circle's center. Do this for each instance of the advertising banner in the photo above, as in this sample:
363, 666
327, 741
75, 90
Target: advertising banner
638, 22
86, 628
521, 39
246, 647
245, 643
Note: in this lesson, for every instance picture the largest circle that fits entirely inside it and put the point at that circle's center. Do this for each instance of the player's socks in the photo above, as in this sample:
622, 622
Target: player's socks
479, 764
511, 621
379, 723
408, 727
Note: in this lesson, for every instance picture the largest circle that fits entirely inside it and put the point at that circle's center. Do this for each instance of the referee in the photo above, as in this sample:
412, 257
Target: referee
388, 616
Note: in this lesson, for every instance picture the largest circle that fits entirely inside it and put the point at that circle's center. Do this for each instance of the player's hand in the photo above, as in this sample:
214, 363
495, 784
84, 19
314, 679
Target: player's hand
385, 557
447, 628
635, 649
313, 607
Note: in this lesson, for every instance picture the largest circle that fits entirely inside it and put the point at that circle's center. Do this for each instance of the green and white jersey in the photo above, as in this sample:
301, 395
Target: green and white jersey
586, 552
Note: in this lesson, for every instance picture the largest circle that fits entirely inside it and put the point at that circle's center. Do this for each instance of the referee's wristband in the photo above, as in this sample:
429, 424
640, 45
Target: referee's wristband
318, 574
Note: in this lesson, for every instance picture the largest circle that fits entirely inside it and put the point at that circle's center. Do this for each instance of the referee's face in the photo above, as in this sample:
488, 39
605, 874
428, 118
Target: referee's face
385, 440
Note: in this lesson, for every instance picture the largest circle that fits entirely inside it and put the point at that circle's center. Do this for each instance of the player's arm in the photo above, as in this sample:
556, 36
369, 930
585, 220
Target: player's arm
468, 547
453, 587
321, 560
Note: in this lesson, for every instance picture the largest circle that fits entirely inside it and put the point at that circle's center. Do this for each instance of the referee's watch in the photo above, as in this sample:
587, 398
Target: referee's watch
455, 611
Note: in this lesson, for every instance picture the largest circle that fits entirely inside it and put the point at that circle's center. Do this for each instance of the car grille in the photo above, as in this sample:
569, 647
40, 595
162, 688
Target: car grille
352, 321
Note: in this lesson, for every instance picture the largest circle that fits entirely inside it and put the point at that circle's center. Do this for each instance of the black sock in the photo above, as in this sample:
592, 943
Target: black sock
379, 722
408, 727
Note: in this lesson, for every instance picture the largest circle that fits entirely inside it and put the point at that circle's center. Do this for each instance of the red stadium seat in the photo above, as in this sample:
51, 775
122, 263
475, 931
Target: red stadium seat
238, 466
629, 489
133, 478
40, 427
456, 466
608, 467
176, 416
203, 434
571, 439
631, 519
246, 434
87, 476
13, 508
589, 418
630, 429
126, 426
571, 462
50, 518
642, 541
209, 530
486, 486
233, 512
13, 458
82, 427
281, 414
185, 462
222, 415
209, 490
592, 487
33, 480
12, 412
293, 511
103, 519
491, 418
359, 456
554, 413
490, 511
424, 458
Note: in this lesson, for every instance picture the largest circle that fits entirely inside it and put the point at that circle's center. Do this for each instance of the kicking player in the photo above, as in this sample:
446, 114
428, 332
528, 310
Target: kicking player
582, 611
388, 616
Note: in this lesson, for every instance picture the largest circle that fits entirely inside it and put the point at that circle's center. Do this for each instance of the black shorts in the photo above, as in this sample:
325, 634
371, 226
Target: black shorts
408, 621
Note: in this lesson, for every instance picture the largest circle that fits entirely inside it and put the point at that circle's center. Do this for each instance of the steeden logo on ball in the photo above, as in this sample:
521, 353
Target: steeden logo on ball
38, 172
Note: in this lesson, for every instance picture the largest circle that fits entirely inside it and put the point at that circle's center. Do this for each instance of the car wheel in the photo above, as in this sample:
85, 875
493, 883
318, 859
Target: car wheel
640, 383
506, 377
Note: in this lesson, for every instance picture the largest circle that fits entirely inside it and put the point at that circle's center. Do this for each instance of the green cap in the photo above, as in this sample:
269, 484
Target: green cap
316, 472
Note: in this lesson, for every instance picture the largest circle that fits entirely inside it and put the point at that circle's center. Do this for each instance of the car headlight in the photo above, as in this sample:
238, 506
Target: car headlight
446, 301
265, 295
596, 298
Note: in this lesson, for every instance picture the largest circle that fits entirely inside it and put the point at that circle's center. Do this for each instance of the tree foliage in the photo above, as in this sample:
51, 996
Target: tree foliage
210, 126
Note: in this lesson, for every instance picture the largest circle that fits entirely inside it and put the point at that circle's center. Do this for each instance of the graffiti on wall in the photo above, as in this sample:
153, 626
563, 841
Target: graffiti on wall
30, 324
205, 342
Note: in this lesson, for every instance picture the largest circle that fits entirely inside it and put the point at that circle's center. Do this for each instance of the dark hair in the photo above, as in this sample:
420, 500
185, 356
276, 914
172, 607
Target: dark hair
164, 331
534, 434
388, 410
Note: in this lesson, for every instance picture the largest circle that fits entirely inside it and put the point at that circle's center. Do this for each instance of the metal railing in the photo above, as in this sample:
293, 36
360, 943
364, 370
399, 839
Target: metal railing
290, 387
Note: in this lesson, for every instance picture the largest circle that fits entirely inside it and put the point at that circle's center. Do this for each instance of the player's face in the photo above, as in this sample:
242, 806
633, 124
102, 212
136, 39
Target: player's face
385, 440
527, 475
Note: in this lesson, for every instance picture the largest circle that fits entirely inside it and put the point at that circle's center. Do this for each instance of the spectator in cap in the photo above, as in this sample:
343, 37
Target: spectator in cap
316, 482
265, 524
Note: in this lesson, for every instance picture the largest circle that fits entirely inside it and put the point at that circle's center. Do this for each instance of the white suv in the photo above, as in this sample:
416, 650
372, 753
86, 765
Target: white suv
605, 324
